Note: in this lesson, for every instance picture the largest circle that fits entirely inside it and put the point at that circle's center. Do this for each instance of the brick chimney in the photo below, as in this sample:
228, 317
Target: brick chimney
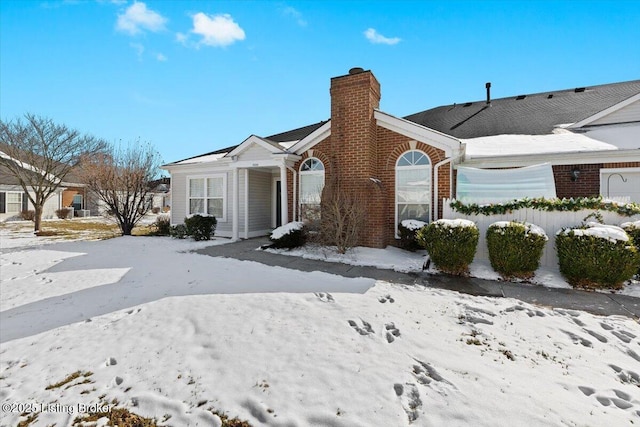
354, 97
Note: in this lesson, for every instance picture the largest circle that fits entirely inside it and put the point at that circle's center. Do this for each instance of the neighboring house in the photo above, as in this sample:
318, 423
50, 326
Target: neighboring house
13, 199
160, 193
575, 142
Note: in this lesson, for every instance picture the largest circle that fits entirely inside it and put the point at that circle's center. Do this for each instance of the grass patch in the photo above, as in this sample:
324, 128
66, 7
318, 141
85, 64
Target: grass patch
120, 417
27, 422
71, 377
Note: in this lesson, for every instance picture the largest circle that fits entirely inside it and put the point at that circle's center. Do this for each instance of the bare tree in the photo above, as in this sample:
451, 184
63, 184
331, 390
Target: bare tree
40, 154
343, 216
121, 179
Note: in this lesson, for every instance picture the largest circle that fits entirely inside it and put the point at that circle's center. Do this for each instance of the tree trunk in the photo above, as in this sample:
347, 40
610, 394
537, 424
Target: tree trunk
127, 228
37, 218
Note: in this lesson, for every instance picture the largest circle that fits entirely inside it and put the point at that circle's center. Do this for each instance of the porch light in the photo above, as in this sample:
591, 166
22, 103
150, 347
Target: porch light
575, 173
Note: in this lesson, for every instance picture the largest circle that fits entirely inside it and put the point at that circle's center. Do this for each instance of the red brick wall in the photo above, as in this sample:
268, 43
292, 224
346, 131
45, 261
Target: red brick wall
588, 182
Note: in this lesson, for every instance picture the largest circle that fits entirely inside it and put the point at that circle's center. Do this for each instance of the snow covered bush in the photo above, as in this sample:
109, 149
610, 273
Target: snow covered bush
407, 230
451, 244
633, 230
596, 256
515, 248
291, 235
200, 227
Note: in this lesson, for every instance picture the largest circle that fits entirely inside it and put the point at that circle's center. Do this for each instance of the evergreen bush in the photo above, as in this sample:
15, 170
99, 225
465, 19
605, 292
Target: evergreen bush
515, 248
451, 244
289, 236
633, 230
596, 256
407, 231
178, 231
200, 227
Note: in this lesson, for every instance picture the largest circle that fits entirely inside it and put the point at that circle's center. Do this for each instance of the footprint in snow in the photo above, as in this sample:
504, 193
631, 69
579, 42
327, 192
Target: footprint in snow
577, 339
386, 298
324, 296
392, 332
623, 336
111, 361
366, 328
410, 399
626, 376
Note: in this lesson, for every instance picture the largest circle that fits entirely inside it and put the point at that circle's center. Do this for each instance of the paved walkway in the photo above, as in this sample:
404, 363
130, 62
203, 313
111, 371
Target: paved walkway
593, 302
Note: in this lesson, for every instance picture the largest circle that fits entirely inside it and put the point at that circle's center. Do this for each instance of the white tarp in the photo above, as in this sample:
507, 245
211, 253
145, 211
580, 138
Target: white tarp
502, 185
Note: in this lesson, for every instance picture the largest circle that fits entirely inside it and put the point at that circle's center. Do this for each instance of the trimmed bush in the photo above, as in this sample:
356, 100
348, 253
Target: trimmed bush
162, 225
200, 227
515, 248
596, 256
289, 236
451, 244
155, 210
407, 230
178, 231
633, 230
63, 213
28, 215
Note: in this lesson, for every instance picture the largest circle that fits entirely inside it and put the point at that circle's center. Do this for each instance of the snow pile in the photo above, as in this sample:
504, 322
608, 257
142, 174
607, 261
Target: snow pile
529, 228
286, 229
610, 232
413, 224
634, 224
453, 223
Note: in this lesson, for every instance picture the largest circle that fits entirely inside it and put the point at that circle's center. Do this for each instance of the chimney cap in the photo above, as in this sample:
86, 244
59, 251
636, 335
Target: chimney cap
356, 70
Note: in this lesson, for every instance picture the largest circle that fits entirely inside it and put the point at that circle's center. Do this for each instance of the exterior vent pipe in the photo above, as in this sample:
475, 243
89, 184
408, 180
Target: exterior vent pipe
488, 86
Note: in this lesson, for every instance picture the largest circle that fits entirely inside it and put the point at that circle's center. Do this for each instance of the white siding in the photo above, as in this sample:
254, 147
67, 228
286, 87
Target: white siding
49, 209
550, 222
255, 152
627, 114
178, 197
260, 196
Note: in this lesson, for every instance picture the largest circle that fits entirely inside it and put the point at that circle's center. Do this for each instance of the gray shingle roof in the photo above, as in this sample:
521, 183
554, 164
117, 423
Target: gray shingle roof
295, 134
535, 114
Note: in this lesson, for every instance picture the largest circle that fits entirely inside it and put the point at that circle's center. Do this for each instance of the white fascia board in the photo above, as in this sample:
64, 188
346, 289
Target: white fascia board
605, 112
221, 164
579, 157
253, 139
312, 139
447, 143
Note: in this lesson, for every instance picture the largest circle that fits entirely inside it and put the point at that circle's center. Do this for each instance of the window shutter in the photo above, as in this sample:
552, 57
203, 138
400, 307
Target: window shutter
25, 200
3, 205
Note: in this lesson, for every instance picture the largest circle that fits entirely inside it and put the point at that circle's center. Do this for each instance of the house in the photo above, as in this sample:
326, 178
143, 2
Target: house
569, 143
14, 200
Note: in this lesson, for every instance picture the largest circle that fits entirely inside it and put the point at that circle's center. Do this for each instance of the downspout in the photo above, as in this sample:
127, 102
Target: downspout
295, 193
436, 169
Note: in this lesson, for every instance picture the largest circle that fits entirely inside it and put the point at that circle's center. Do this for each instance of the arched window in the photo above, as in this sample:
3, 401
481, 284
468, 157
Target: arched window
413, 187
311, 184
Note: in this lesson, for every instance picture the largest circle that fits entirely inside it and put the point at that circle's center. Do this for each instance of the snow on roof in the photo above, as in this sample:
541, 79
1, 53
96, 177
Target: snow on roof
508, 145
287, 144
202, 159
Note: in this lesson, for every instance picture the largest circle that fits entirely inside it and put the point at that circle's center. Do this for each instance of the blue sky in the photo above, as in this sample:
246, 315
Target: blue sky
194, 76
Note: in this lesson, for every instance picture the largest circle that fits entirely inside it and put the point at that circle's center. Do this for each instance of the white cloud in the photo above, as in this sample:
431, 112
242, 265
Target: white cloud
160, 57
216, 30
295, 14
182, 38
375, 37
138, 18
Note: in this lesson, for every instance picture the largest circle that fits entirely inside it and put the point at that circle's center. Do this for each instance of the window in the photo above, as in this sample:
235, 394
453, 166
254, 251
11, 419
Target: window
311, 185
413, 187
14, 202
207, 196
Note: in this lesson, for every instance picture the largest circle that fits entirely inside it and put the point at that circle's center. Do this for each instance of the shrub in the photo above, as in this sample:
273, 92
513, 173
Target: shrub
155, 210
344, 213
633, 230
28, 215
178, 231
407, 230
289, 236
596, 256
515, 248
63, 213
451, 244
200, 227
162, 225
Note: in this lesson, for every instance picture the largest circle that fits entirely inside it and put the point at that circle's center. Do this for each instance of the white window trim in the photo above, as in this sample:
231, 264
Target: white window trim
302, 173
224, 192
395, 172
6, 201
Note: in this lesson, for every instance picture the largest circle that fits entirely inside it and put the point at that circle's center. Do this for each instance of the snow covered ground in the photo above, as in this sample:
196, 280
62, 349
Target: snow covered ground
173, 335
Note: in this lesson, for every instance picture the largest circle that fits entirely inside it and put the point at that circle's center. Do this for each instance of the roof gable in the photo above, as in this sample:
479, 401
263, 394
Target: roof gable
614, 114
270, 146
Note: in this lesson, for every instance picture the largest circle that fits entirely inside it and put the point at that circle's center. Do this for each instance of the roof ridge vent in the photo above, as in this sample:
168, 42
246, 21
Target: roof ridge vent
520, 97
468, 104
579, 89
